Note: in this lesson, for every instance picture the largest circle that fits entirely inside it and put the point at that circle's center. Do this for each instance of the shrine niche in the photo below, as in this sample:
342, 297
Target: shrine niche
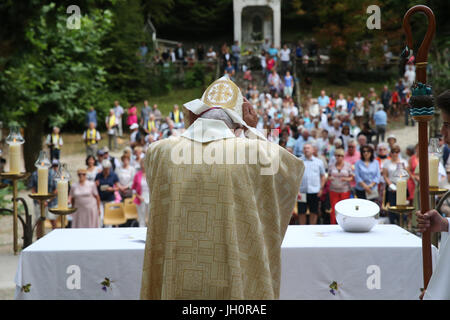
257, 20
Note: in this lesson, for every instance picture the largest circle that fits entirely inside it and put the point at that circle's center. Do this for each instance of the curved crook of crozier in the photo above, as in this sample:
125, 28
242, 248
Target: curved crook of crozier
422, 54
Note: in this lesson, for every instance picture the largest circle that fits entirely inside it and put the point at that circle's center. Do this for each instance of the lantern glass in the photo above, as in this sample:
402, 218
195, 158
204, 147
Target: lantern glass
434, 147
400, 173
14, 136
62, 173
43, 161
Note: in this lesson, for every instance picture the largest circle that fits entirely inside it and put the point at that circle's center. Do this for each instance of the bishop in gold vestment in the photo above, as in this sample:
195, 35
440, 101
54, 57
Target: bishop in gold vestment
216, 227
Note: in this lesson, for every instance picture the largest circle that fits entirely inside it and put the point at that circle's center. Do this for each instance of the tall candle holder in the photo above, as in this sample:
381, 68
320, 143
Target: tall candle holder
62, 179
15, 140
42, 196
15, 177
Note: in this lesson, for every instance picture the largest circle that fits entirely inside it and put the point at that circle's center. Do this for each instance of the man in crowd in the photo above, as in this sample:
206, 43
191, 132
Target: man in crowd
91, 137
54, 143
107, 183
157, 114
311, 187
301, 140
111, 127
380, 119
145, 114
323, 100
236, 51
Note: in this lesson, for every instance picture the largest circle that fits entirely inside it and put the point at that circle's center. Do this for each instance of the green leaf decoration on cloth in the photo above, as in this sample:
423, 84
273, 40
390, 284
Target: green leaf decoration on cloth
26, 288
106, 284
334, 287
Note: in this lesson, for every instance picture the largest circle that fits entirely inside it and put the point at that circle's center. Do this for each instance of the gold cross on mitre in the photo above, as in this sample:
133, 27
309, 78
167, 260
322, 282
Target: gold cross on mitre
221, 93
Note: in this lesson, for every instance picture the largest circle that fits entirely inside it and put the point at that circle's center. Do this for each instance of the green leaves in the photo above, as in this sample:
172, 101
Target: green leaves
61, 68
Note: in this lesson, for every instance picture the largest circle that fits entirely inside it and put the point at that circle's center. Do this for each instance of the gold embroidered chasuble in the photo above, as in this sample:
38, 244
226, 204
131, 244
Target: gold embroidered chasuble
215, 230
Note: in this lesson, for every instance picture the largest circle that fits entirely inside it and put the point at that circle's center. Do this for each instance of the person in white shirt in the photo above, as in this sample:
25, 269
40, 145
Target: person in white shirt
314, 109
134, 131
267, 103
359, 109
410, 76
277, 101
336, 129
285, 58
341, 102
211, 54
125, 172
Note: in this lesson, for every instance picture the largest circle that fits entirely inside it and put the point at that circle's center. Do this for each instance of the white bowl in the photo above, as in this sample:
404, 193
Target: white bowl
356, 215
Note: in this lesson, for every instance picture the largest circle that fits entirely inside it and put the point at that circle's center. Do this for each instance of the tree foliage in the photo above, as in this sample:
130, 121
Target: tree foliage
59, 77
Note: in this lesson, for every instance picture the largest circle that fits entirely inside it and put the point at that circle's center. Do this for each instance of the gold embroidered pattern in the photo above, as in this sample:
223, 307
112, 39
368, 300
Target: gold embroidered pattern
221, 93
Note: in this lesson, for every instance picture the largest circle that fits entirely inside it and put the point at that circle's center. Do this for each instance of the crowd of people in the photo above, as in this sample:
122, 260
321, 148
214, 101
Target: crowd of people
340, 138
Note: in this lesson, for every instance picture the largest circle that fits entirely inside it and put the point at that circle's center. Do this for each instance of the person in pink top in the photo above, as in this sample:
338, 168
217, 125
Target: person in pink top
352, 156
141, 190
132, 115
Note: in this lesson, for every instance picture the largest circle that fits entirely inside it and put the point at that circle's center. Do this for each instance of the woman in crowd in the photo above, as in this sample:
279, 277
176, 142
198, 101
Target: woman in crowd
345, 136
125, 173
367, 175
92, 168
132, 115
141, 190
339, 174
84, 196
389, 168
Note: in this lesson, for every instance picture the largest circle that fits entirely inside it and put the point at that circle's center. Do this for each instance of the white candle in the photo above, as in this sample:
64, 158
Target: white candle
401, 193
433, 170
63, 191
42, 180
14, 158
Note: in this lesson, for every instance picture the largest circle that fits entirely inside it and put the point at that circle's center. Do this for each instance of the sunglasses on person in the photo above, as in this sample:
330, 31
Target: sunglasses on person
81, 174
395, 151
339, 155
367, 151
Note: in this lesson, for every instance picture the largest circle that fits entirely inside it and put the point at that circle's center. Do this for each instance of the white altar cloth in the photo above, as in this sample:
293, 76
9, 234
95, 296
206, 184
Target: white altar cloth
107, 264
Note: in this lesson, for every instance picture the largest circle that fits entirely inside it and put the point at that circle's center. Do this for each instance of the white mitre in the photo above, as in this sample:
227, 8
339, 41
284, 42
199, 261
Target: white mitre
224, 94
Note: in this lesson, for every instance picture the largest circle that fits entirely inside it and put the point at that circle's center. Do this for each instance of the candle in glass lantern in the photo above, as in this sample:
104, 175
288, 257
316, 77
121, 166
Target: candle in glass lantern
401, 192
433, 170
14, 157
63, 191
14, 140
42, 164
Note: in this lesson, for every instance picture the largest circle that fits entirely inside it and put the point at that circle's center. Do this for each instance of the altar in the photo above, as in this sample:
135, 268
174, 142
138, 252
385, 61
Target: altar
318, 262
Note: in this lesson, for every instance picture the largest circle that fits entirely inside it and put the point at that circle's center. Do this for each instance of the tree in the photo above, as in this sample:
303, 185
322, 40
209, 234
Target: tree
58, 78
126, 73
